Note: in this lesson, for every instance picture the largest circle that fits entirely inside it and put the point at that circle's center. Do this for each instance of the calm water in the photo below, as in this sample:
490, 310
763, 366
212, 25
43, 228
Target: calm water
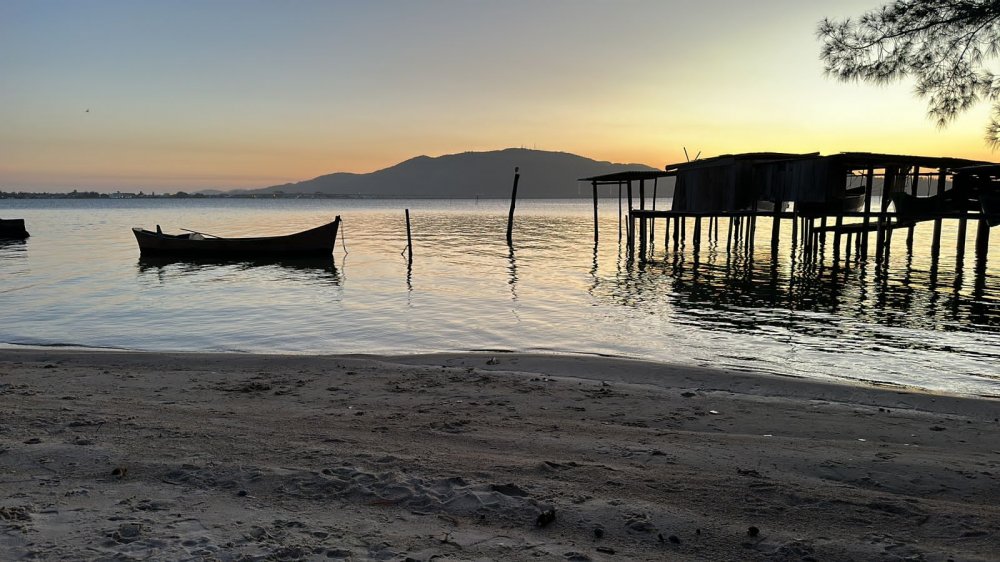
79, 281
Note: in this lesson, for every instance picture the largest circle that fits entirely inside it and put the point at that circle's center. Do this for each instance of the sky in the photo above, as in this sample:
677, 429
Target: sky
174, 95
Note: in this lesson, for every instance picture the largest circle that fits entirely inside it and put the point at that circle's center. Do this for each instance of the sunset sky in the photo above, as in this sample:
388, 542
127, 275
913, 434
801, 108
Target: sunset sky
181, 94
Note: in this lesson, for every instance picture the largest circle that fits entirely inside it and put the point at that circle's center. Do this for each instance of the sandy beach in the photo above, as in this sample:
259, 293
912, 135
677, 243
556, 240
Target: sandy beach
121, 455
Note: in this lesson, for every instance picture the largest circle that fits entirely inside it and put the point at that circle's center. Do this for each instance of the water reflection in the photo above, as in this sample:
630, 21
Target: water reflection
735, 292
512, 272
319, 268
13, 248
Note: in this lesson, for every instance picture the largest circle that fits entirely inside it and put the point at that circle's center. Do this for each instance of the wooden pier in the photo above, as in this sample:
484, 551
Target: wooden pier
822, 197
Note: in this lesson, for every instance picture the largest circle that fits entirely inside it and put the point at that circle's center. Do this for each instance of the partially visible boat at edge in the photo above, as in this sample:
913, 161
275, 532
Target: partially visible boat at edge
852, 200
315, 242
926, 208
13, 229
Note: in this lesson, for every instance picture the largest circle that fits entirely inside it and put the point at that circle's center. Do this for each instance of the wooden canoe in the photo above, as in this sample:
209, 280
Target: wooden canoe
315, 242
928, 208
12, 229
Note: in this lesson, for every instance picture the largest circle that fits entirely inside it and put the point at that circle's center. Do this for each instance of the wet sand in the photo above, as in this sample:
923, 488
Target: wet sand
480, 456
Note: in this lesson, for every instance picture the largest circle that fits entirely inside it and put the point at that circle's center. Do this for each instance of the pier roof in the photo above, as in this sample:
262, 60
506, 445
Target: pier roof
627, 176
854, 160
732, 158
877, 160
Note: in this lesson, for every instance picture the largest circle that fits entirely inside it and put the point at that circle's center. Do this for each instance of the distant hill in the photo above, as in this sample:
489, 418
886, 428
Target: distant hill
469, 174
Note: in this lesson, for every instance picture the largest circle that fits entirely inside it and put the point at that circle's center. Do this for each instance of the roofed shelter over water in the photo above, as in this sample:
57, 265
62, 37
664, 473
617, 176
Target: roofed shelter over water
813, 187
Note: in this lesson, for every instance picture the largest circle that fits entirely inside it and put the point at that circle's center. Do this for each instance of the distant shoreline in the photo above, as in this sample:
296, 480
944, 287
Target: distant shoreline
113, 197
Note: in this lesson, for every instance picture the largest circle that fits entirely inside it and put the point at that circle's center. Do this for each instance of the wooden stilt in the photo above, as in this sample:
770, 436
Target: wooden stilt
795, 232
913, 191
619, 211
652, 221
805, 237
677, 233
697, 233
863, 236
642, 221
982, 246
960, 243
836, 238
962, 226
629, 230
729, 236
887, 182
887, 253
775, 228
808, 237
936, 236
666, 233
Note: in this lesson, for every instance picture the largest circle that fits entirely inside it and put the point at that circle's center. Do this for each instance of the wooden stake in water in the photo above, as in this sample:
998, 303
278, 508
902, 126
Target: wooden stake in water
513, 201
409, 239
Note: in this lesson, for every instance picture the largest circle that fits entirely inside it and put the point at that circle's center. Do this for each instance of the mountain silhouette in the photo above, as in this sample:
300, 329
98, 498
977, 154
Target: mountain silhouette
469, 174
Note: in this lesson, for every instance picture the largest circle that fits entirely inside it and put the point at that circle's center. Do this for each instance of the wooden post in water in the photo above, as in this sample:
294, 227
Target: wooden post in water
795, 231
513, 201
836, 238
666, 234
822, 234
936, 237
960, 243
913, 191
775, 228
697, 233
805, 237
642, 220
880, 239
982, 245
409, 238
863, 236
652, 221
619, 212
630, 227
729, 236
962, 223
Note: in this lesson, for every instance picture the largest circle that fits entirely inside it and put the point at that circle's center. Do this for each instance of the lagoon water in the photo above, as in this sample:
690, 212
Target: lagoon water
78, 281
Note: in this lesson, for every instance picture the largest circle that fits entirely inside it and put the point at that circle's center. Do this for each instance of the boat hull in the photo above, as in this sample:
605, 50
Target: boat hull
315, 242
12, 229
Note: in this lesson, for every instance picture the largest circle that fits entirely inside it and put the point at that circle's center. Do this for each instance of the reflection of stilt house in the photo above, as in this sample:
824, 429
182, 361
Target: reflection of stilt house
850, 194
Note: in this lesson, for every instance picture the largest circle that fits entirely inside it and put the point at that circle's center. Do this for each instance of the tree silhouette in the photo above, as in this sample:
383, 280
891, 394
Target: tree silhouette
944, 45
